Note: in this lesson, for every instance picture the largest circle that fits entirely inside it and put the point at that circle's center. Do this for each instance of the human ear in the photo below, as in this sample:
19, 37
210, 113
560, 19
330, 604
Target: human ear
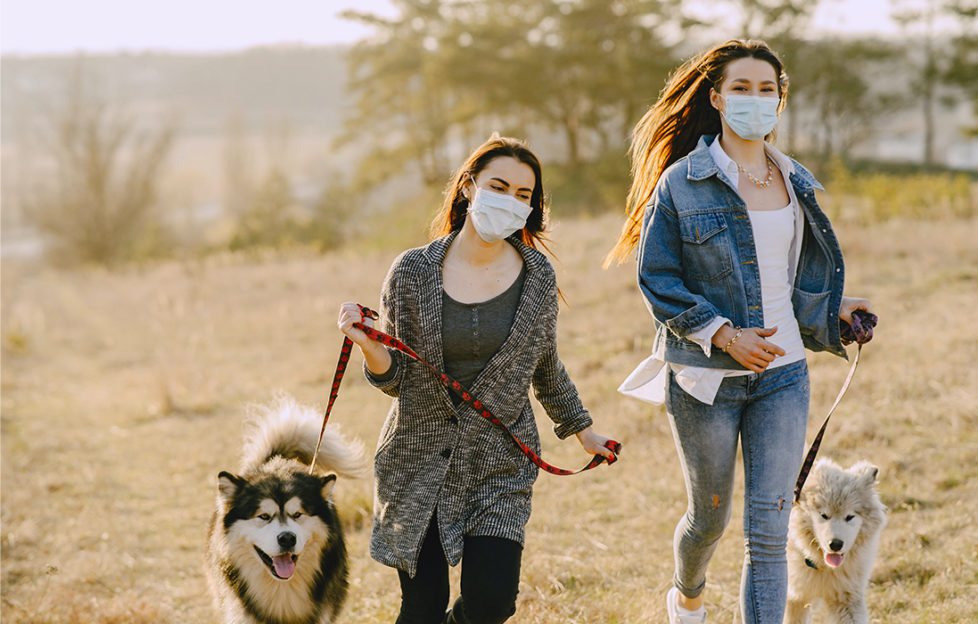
716, 99
468, 186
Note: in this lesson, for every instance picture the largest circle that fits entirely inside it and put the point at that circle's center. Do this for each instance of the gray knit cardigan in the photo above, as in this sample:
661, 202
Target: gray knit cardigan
435, 458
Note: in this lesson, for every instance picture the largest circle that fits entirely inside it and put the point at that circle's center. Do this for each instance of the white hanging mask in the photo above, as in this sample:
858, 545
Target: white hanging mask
496, 215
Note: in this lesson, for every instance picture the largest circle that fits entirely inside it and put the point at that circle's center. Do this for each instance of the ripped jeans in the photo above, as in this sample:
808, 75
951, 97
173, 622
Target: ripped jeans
768, 412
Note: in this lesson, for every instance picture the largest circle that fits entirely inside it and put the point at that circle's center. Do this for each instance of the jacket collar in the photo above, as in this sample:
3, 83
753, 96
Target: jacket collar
804, 180
701, 165
435, 250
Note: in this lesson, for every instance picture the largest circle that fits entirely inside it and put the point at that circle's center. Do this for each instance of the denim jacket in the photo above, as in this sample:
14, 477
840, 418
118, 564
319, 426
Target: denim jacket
697, 260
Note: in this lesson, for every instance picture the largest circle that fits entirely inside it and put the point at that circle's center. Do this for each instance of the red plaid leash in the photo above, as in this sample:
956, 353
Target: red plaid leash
448, 382
806, 467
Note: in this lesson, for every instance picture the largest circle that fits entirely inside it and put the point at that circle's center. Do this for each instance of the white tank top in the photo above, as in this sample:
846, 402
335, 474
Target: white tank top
773, 233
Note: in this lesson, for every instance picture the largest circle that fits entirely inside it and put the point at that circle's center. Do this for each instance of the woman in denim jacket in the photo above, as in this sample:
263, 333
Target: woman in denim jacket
742, 272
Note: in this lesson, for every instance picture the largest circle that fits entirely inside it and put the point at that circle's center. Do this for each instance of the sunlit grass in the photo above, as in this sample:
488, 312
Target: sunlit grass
122, 399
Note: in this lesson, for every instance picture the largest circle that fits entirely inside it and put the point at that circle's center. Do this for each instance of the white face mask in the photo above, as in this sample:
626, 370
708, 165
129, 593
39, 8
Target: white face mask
752, 117
496, 215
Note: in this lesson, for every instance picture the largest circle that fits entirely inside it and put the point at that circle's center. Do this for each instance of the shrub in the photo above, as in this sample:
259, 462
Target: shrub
276, 220
873, 197
99, 202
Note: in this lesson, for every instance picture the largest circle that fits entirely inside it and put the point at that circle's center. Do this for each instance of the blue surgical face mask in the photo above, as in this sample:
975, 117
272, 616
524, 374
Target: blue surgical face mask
751, 117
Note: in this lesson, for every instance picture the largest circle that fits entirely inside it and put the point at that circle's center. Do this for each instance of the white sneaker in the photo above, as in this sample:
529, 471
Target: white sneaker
677, 615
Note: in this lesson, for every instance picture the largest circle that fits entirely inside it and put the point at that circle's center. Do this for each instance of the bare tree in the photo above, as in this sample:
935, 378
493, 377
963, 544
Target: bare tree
98, 203
963, 70
943, 61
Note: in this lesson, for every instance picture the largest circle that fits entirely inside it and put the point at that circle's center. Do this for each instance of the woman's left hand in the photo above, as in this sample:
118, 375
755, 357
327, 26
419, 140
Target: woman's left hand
849, 304
594, 443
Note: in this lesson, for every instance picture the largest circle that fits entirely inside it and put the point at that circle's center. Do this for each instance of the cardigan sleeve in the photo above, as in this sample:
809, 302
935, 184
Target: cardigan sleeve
552, 385
389, 382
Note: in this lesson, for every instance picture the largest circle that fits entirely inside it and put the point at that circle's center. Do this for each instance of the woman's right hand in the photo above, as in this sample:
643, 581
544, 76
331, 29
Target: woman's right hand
751, 350
350, 314
375, 354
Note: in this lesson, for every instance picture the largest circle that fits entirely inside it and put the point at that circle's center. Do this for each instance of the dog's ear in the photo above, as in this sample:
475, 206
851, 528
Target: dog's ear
227, 485
328, 482
866, 471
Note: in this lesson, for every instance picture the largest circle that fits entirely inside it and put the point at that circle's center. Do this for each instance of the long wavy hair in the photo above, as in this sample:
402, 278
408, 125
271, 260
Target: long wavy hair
674, 124
451, 216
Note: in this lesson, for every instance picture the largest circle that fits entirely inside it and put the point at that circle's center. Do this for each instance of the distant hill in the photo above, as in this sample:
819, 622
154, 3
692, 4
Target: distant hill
304, 84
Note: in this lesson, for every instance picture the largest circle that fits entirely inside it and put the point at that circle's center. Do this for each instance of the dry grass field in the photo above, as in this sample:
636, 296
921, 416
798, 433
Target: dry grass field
122, 397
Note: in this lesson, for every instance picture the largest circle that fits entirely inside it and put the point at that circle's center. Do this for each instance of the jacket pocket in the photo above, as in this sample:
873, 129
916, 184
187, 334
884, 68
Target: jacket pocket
392, 473
812, 310
706, 247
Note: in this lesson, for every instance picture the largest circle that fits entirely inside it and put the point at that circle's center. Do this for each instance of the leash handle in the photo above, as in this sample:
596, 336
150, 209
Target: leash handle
806, 467
860, 330
392, 342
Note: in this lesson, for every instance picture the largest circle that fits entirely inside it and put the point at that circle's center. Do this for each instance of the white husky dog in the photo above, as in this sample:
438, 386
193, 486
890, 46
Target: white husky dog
832, 540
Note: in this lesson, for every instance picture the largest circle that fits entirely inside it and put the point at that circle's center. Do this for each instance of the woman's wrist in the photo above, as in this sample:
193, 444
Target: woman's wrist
723, 335
586, 431
377, 357
726, 347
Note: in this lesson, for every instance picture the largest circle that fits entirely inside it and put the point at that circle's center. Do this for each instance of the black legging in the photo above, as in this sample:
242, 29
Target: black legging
490, 582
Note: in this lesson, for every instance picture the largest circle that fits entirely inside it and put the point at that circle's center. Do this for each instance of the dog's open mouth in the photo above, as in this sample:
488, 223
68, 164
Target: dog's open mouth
834, 560
281, 566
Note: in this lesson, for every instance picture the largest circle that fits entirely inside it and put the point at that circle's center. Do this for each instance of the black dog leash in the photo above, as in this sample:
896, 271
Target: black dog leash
394, 343
859, 331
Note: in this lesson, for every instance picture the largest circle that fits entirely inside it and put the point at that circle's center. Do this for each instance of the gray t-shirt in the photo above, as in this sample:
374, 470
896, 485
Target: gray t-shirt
473, 332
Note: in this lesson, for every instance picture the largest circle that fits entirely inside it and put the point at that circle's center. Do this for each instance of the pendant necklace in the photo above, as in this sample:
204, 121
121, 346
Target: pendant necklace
761, 183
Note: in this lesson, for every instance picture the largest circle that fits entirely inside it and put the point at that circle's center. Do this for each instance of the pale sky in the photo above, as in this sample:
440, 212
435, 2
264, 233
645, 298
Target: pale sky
39, 26
60, 26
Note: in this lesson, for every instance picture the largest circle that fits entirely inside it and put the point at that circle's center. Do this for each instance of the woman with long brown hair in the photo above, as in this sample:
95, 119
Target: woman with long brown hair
742, 272
480, 303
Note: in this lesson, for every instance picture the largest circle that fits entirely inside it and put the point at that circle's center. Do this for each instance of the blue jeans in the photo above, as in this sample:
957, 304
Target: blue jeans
768, 412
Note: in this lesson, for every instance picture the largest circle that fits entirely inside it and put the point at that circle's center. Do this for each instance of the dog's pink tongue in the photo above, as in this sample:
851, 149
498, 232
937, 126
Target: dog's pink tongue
833, 559
284, 566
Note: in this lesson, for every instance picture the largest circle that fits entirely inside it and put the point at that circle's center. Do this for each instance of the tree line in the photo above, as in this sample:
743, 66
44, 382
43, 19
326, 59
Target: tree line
440, 75
443, 72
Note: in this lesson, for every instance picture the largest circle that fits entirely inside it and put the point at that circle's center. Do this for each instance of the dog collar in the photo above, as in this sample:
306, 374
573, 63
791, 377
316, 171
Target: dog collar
810, 563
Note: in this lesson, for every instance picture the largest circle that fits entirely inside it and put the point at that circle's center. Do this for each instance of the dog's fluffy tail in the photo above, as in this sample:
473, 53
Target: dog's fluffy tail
290, 429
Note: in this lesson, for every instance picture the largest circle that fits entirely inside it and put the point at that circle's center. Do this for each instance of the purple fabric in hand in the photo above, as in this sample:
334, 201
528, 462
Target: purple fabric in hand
861, 328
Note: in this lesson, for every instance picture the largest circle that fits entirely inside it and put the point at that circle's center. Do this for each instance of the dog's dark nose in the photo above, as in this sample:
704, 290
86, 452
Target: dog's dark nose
286, 540
835, 545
